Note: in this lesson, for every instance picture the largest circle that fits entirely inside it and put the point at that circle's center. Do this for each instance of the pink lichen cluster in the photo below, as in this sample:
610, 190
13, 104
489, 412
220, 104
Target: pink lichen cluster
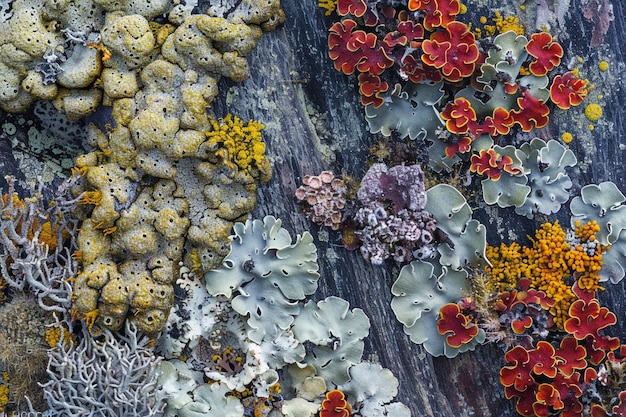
325, 196
391, 220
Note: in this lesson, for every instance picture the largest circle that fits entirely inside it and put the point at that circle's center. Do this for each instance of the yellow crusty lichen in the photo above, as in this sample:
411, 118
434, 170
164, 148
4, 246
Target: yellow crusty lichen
504, 24
243, 145
4, 391
53, 335
329, 6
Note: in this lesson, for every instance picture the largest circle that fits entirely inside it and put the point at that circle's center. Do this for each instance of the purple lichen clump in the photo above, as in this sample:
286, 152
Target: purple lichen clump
325, 195
391, 220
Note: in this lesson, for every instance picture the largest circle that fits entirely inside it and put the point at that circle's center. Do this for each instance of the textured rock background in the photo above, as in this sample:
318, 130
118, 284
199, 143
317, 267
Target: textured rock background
314, 122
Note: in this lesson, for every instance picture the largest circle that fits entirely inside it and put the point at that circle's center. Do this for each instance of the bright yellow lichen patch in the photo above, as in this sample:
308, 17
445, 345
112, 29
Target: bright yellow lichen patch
567, 137
603, 66
504, 24
329, 6
593, 112
548, 270
241, 146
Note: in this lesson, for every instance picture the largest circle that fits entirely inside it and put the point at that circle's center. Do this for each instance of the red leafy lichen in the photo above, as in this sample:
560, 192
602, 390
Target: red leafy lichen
489, 162
452, 50
438, 13
517, 375
620, 408
459, 116
417, 72
500, 122
370, 88
335, 405
547, 398
350, 49
461, 145
546, 52
570, 390
451, 320
567, 90
587, 319
531, 112
353, 7
570, 356
413, 31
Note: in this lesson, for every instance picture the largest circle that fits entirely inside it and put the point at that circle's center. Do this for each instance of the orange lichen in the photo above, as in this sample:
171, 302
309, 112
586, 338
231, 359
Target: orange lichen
508, 265
54, 333
548, 270
14, 208
550, 263
91, 197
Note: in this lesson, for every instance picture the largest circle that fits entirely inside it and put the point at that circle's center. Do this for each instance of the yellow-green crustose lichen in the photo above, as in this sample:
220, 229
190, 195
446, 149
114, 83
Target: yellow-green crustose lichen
158, 189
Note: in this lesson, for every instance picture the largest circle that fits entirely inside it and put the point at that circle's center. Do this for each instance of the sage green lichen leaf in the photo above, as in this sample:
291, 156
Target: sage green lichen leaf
547, 178
371, 390
508, 55
410, 112
602, 203
269, 312
469, 246
509, 189
486, 101
337, 333
176, 382
614, 260
419, 293
453, 216
281, 350
209, 400
264, 250
437, 158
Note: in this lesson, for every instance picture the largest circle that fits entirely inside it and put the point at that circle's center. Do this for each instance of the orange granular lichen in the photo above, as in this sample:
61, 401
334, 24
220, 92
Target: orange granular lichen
550, 264
503, 24
507, 265
548, 270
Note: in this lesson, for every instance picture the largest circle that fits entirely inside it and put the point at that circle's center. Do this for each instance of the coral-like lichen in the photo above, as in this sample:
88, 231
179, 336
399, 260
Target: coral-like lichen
326, 198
